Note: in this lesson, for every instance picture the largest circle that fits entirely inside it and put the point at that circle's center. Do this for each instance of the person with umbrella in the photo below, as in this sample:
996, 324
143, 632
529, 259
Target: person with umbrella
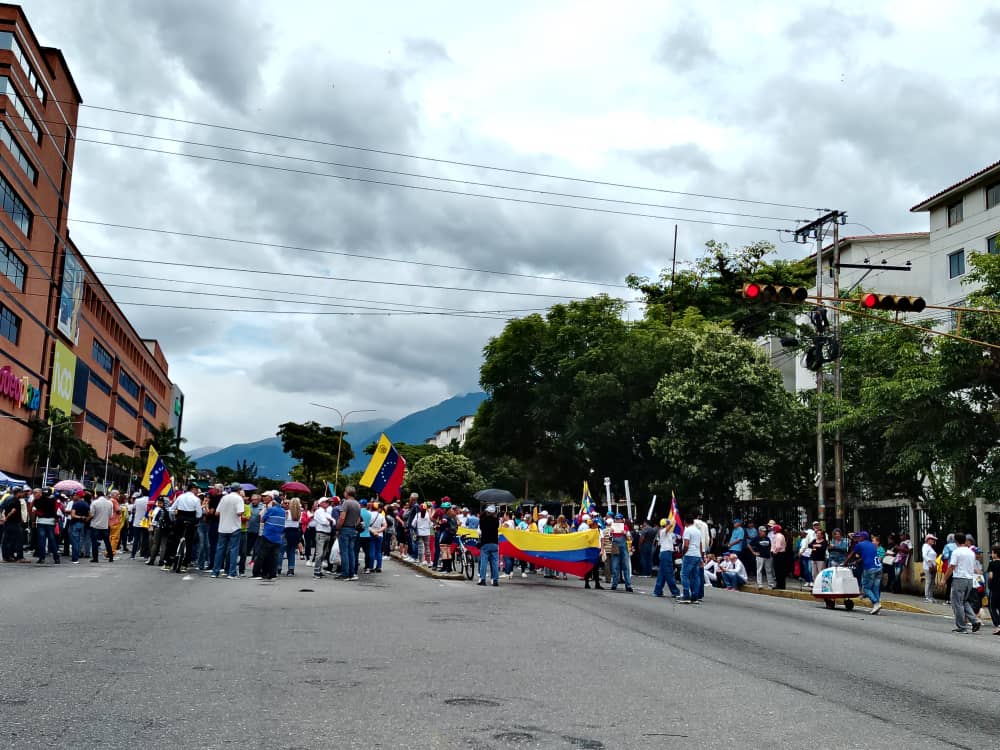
489, 540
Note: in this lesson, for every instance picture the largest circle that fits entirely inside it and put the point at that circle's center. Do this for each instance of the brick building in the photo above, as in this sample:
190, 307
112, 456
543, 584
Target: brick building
64, 343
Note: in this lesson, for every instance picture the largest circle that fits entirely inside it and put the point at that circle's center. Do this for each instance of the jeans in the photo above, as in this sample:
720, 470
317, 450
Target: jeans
765, 571
508, 565
140, 541
732, 580
666, 574
960, 588
805, 568
292, 538
227, 546
646, 558
871, 583
692, 579
77, 529
489, 559
619, 563
204, 550
348, 555
48, 534
375, 558
96, 537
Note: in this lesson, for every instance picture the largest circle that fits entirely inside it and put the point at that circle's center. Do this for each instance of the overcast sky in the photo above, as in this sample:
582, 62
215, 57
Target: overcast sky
865, 107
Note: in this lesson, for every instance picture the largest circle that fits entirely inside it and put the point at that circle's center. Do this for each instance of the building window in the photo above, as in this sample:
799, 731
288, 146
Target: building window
993, 244
102, 356
100, 384
993, 196
6, 87
19, 156
97, 422
10, 325
11, 266
14, 207
149, 405
956, 264
128, 384
9, 41
148, 425
124, 440
955, 214
126, 407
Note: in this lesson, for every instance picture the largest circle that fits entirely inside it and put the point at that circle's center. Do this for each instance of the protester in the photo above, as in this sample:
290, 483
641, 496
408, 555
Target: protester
101, 513
993, 588
272, 534
692, 581
836, 551
734, 573
140, 526
421, 526
292, 533
13, 517
961, 571
620, 567
779, 553
666, 544
348, 527
160, 523
760, 546
929, 555
867, 553
818, 547
79, 515
377, 527
46, 510
227, 548
116, 523
489, 540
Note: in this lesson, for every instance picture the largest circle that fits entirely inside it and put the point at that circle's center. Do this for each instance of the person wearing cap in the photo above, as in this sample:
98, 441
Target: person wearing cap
620, 568
321, 517
489, 549
666, 542
227, 548
737, 537
779, 553
871, 569
929, 555
79, 513
186, 511
760, 547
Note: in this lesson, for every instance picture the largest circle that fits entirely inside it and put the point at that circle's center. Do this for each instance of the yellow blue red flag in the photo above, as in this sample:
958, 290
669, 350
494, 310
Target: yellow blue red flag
574, 554
587, 503
385, 471
674, 521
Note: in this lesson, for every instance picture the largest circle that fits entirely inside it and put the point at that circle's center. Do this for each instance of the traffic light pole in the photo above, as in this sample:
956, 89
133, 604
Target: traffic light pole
838, 446
820, 458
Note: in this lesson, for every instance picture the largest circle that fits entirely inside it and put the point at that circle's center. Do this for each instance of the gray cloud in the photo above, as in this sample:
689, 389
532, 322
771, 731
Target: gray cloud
991, 20
426, 51
687, 46
830, 26
684, 157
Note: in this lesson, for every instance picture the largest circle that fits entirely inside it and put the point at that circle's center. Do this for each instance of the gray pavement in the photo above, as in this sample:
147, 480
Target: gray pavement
126, 656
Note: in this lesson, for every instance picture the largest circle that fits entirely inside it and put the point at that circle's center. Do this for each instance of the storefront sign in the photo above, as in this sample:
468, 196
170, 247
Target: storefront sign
19, 390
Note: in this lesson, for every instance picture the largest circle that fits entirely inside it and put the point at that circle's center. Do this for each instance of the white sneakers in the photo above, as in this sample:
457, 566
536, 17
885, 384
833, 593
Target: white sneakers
877, 608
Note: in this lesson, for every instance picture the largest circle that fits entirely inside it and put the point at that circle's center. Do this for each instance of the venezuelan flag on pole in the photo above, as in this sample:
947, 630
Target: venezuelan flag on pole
385, 471
674, 521
574, 554
587, 503
156, 478
331, 490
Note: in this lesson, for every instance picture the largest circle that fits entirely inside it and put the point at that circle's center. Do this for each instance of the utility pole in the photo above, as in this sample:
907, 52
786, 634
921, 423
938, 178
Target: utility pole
817, 229
340, 437
838, 446
673, 274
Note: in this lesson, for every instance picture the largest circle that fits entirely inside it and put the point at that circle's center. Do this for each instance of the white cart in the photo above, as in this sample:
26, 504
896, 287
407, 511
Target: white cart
836, 583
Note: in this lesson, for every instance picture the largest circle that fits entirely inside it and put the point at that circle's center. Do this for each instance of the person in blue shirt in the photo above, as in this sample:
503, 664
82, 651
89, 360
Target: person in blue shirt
272, 533
737, 537
364, 538
871, 566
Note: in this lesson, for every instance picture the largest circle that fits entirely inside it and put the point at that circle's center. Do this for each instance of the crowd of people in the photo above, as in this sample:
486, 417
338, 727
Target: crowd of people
228, 534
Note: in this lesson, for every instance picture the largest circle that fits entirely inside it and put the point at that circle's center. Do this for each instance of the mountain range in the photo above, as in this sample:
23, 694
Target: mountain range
273, 462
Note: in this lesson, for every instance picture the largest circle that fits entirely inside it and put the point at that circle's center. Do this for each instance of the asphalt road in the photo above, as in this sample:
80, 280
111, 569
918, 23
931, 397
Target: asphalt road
126, 656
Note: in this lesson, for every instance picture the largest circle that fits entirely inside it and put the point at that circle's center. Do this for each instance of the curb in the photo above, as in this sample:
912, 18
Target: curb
887, 604
423, 570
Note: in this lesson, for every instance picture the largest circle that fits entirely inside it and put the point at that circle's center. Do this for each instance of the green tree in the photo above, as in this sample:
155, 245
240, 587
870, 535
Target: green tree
225, 474
315, 447
726, 418
246, 472
53, 438
168, 446
445, 474
712, 286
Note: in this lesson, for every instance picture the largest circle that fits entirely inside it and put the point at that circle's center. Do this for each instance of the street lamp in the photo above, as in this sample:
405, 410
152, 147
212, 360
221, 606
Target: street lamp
340, 436
48, 455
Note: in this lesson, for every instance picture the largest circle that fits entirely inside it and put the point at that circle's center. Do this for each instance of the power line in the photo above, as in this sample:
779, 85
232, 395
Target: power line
418, 175
438, 160
445, 191
327, 278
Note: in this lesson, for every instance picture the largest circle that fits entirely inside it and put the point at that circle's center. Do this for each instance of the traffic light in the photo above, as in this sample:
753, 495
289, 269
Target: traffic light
895, 302
755, 292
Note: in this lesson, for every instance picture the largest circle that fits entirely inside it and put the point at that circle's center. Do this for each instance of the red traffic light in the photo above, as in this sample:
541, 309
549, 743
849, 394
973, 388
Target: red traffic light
751, 291
870, 301
896, 303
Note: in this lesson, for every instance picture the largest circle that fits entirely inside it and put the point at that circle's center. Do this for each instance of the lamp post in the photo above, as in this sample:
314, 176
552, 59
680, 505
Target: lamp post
340, 436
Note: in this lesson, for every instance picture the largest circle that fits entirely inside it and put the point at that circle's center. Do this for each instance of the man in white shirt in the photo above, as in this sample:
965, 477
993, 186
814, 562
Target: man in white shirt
691, 576
185, 511
230, 513
706, 539
324, 525
961, 571
140, 532
929, 555
734, 573
101, 511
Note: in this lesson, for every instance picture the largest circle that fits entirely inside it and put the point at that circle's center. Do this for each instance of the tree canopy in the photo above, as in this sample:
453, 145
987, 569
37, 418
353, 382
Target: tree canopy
445, 474
315, 447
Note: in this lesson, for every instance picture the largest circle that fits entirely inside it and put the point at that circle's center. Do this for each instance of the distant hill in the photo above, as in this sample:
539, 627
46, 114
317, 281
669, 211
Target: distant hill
417, 427
414, 428
203, 451
271, 460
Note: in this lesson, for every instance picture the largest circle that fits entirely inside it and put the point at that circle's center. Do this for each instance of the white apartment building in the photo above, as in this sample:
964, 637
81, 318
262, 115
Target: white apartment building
964, 219
458, 432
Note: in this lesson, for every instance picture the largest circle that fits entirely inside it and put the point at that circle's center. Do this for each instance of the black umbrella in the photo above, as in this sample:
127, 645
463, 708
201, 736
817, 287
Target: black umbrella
495, 497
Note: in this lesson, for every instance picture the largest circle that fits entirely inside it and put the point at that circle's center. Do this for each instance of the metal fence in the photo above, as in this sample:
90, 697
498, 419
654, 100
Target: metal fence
993, 527
885, 521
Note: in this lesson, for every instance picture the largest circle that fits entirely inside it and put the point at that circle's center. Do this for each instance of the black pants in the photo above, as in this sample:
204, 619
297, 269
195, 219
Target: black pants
780, 570
140, 542
994, 606
188, 529
594, 575
267, 566
96, 537
12, 543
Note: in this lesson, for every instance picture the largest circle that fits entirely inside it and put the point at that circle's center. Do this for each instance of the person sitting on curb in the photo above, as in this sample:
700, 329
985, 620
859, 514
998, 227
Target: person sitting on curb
734, 573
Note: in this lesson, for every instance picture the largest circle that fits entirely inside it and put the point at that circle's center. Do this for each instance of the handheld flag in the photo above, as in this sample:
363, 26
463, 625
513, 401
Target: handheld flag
652, 505
587, 503
385, 471
674, 521
575, 554
331, 489
156, 478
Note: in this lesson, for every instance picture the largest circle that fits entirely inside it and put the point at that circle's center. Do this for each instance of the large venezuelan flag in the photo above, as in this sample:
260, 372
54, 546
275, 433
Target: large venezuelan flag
575, 554
385, 471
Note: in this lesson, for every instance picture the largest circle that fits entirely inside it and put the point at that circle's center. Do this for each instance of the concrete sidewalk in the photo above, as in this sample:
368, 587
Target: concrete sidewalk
424, 570
897, 602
